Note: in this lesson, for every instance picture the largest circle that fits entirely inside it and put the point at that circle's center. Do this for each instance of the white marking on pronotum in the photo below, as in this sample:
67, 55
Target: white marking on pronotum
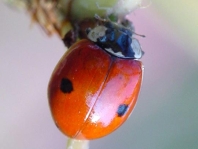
136, 48
118, 54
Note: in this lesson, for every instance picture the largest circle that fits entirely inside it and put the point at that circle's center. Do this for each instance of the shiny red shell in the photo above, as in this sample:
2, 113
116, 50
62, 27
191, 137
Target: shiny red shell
91, 93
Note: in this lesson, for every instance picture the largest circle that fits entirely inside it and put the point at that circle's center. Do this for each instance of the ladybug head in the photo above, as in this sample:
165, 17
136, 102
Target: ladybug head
116, 39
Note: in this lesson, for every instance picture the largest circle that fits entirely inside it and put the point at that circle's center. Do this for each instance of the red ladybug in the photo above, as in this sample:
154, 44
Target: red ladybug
95, 85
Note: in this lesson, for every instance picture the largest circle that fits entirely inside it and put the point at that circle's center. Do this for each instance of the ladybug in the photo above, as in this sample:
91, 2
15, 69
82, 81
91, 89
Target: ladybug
95, 86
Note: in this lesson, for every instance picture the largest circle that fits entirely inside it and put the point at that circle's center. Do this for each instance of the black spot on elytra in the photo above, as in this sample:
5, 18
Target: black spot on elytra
122, 109
66, 85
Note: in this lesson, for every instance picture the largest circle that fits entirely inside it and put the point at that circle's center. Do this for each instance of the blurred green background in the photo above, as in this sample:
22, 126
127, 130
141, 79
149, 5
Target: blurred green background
166, 114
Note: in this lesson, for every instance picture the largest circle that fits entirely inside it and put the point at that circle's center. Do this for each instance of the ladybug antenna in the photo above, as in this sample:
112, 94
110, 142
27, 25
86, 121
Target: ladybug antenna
107, 19
129, 25
97, 17
139, 34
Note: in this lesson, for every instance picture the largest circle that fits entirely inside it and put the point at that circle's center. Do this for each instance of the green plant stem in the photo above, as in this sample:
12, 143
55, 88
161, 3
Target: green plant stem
77, 144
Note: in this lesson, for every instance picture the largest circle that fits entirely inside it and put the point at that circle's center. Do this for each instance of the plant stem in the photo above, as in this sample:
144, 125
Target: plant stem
77, 144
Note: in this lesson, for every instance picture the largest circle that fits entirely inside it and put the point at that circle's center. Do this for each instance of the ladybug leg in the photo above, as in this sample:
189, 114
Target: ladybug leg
108, 10
109, 17
70, 38
98, 18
